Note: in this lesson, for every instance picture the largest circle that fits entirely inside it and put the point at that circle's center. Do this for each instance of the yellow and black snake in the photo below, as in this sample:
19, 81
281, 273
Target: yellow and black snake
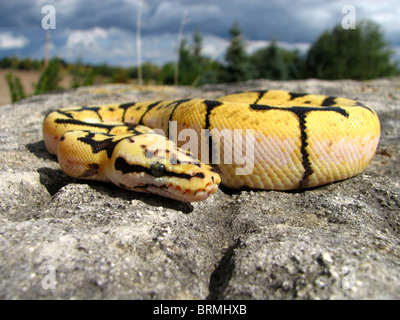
258, 139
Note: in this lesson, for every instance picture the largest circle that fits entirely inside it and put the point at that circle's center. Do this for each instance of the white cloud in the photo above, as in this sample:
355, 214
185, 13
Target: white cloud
118, 47
214, 47
86, 38
98, 45
9, 41
384, 13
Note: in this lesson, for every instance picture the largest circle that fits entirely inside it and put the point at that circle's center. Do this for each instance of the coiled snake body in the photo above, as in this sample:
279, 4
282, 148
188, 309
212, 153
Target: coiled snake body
259, 139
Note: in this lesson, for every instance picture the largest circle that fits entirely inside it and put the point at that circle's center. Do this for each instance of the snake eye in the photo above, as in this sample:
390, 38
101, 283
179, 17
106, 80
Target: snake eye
157, 169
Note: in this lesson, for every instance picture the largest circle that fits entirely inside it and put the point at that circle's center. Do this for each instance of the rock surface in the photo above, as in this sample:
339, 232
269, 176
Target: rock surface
61, 238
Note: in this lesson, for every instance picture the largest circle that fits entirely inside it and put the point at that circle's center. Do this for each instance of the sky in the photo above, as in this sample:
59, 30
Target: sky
105, 31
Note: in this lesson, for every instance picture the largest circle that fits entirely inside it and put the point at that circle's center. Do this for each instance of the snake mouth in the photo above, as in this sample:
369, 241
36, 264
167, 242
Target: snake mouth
176, 193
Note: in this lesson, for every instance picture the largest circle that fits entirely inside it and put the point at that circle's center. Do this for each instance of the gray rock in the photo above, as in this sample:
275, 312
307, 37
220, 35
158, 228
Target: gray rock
61, 238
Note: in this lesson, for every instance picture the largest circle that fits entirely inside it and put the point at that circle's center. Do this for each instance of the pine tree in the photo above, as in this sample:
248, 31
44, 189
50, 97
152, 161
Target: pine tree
269, 63
238, 66
194, 68
197, 43
273, 62
188, 66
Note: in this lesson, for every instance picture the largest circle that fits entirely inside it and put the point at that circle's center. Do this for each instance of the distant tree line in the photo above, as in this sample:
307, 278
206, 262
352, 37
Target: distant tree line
359, 54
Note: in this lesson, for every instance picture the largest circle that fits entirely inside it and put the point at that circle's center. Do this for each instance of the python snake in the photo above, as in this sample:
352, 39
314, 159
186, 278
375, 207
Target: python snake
258, 139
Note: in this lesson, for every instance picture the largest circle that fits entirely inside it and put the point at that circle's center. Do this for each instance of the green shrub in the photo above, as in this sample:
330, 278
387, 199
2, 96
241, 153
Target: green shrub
16, 90
50, 78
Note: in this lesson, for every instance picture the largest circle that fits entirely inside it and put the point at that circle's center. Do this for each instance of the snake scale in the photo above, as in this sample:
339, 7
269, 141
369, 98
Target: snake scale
270, 139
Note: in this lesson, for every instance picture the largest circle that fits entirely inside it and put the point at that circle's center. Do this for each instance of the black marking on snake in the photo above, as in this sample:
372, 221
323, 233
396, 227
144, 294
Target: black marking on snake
261, 94
295, 95
94, 109
299, 109
301, 113
359, 104
107, 145
177, 104
328, 102
149, 107
306, 109
125, 107
98, 125
83, 123
304, 153
210, 105
65, 113
122, 165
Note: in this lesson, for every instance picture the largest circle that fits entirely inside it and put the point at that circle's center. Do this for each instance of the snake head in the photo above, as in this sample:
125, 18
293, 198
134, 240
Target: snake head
152, 163
144, 162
